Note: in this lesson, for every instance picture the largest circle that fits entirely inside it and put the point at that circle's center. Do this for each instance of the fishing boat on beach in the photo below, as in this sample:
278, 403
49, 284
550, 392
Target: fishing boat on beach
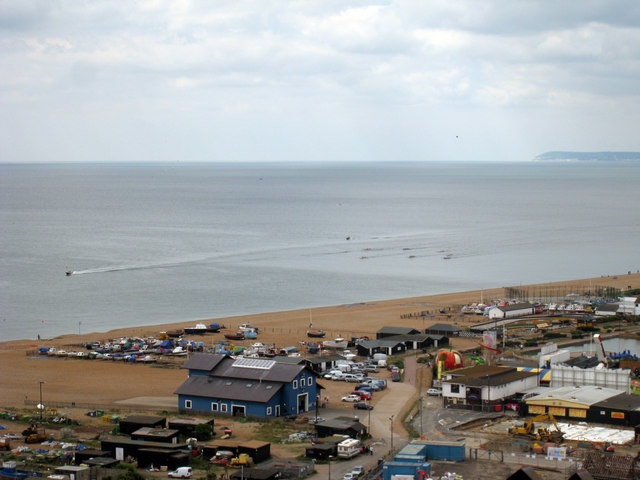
338, 343
234, 336
315, 333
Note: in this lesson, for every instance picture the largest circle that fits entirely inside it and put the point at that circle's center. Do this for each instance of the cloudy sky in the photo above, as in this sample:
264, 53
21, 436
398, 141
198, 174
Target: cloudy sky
260, 80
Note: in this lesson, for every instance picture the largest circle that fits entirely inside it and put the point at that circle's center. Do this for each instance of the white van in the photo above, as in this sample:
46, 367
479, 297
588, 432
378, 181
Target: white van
181, 472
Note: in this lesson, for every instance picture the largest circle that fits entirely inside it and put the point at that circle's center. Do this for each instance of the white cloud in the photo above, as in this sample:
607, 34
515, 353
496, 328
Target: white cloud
352, 77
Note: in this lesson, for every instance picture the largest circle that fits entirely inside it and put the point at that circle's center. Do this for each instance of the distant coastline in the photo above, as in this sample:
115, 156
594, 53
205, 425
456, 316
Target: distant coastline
588, 157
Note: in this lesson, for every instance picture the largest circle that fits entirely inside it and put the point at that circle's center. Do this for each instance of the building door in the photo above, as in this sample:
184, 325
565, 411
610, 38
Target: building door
303, 403
238, 410
277, 410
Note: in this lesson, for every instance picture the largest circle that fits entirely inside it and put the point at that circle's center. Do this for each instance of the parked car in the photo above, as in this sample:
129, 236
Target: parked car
371, 368
362, 406
362, 394
358, 470
395, 376
351, 398
349, 476
354, 378
436, 392
181, 472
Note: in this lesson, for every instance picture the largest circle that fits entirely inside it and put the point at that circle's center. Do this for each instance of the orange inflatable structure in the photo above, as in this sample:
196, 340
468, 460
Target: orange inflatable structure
451, 359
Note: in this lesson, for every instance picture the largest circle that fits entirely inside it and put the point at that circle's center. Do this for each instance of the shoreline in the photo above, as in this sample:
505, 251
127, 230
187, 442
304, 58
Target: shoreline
362, 316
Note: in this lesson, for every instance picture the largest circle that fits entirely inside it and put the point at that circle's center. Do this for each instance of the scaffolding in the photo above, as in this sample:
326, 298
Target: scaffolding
563, 293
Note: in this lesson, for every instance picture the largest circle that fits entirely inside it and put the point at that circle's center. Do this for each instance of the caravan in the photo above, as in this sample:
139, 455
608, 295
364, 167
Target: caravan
348, 448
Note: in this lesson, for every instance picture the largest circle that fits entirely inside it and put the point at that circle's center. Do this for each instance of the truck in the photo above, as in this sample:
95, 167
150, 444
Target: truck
349, 448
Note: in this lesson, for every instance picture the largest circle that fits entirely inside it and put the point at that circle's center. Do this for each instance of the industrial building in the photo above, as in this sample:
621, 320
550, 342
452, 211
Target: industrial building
485, 387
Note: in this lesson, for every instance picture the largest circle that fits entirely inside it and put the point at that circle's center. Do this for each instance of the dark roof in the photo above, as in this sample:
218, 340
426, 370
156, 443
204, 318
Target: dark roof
231, 388
415, 337
290, 360
341, 423
608, 307
143, 419
204, 361
582, 362
445, 327
624, 401
398, 330
380, 343
483, 375
515, 306
156, 432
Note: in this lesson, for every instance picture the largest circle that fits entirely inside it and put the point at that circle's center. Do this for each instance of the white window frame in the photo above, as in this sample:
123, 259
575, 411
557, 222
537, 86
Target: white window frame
295, 384
303, 382
310, 381
214, 407
188, 404
269, 411
224, 407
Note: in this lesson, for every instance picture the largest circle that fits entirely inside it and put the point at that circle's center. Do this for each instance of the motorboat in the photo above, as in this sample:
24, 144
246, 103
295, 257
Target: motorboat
315, 334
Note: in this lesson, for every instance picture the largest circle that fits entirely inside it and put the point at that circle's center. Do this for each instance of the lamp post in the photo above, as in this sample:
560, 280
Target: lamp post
329, 458
40, 406
391, 420
317, 405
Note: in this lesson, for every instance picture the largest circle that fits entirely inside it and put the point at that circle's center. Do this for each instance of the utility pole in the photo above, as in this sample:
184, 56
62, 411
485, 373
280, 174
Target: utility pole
40, 405
391, 420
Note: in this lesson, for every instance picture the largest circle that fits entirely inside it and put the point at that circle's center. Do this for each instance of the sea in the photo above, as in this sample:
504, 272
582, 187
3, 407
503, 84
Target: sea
160, 243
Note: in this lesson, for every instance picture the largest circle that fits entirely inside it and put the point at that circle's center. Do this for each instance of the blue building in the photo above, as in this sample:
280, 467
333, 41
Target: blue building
250, 387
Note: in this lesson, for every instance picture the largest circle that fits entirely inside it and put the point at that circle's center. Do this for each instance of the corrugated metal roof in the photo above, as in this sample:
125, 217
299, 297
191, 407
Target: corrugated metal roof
485, 375
234, 389
587, 395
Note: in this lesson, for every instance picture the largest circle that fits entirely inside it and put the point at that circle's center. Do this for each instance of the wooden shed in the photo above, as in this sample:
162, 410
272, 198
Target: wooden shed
130, 424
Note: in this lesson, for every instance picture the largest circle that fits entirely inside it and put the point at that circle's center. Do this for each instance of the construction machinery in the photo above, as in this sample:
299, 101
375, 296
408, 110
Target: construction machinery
34, 434
242, 460
528, 429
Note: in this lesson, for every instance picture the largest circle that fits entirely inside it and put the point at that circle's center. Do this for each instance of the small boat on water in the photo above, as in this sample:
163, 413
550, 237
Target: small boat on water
68, 273
315, 334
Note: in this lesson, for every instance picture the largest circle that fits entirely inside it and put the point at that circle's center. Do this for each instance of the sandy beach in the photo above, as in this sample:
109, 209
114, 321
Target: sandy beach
111, 383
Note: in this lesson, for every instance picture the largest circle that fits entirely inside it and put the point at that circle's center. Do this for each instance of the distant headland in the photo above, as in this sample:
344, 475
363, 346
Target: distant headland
588, 157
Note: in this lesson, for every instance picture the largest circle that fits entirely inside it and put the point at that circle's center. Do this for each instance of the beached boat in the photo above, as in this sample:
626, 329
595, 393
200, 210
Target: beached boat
315, 334
247, 327
338, 343
174, 333
199, 329
234, 336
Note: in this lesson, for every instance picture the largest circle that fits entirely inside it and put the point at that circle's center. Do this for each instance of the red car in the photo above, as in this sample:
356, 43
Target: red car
362, 395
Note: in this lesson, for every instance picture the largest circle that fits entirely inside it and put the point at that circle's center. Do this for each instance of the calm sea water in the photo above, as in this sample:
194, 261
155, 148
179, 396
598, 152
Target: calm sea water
163, 243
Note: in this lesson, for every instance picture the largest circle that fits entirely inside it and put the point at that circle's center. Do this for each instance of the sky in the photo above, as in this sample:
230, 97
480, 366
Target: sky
325, 80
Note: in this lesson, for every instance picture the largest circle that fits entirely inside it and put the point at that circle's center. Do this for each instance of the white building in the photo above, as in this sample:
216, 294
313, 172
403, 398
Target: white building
630, 305
515, 310
564, 376
483, 387
550, 355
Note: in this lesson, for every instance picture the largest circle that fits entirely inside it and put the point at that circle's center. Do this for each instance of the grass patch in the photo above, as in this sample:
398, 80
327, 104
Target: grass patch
276, 431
